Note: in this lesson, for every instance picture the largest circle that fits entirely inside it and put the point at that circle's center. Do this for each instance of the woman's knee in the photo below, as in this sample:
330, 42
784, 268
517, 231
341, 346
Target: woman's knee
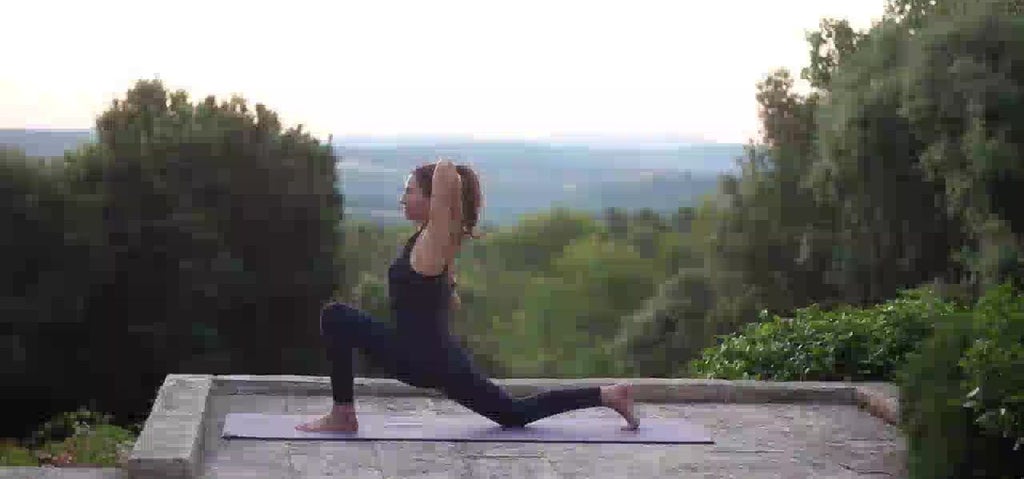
507, 413
511, 417
333, 316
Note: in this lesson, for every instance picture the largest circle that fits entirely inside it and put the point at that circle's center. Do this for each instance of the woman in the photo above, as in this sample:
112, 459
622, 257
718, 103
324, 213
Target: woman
418, 349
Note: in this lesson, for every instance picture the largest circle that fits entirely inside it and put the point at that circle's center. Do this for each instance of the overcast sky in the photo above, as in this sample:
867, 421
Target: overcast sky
513, 69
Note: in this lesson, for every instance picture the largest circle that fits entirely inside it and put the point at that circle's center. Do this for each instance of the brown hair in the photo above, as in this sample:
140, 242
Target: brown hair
472, 199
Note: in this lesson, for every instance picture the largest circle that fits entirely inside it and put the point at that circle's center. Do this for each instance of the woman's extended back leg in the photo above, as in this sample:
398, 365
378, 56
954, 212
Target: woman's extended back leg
465, 384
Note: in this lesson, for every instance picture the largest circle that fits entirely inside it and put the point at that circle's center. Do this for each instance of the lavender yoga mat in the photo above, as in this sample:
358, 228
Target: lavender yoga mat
469, 428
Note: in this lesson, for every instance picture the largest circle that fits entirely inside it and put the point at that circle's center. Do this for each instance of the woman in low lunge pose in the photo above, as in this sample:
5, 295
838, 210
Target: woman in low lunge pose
419, 349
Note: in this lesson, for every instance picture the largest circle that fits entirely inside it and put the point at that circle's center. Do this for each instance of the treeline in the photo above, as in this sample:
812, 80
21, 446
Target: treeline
191, 237
902, 166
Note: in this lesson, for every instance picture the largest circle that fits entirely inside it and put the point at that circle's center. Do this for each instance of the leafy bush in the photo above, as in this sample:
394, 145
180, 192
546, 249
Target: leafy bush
843, 343
930, 407
81, 438
961, 393
994, 365
100, 445
14, 455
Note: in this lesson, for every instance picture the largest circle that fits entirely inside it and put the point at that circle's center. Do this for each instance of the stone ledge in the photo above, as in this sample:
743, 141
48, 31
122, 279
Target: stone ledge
654, 390
879, 399
24, 472
882, 400
170, 443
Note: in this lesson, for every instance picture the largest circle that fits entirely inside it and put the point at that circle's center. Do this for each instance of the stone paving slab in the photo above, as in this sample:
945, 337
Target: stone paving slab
800, 440
61, 473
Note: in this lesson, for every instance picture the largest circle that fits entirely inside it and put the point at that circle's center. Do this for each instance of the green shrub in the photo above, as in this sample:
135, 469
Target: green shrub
14, 455
101, 445
953, 391
930, 406
83, 438
994, 365
843, 343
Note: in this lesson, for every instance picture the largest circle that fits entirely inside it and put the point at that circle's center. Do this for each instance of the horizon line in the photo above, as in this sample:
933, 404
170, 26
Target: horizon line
574, 139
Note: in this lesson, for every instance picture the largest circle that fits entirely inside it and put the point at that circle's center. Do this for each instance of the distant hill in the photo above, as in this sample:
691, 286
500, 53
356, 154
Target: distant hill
45, 143
696, 158
523, 177
518, 177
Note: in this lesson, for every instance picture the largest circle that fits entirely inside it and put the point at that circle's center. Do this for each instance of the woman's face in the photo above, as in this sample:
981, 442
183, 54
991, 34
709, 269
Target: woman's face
415, 205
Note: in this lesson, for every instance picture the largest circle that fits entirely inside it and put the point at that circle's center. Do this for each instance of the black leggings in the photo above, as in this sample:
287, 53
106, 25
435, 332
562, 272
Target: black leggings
431, 360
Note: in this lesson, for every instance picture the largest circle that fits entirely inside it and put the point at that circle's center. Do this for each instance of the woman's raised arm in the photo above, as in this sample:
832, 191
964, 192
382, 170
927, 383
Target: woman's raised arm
436, 246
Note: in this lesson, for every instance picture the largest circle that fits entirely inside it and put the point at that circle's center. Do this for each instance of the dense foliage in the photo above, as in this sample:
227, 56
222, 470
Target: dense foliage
189, 237
78, 438
993, 363
845, 343
961, 393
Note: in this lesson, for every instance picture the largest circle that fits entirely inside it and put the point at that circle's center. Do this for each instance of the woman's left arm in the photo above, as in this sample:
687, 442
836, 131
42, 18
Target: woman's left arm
438, 244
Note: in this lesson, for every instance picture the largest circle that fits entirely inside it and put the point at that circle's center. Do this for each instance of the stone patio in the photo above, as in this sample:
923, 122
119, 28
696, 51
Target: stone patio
762, 430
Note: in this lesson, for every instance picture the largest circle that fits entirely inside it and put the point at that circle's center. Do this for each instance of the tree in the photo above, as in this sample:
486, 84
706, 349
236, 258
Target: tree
50, 247
670, 329
965, 104
915, 14
219, 230
834, 41
868, 168
538, 239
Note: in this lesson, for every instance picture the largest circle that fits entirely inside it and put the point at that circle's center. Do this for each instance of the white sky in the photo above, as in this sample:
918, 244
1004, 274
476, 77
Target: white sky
513, 69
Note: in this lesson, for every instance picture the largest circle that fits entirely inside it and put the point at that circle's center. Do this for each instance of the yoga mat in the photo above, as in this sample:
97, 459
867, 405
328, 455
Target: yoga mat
469, 428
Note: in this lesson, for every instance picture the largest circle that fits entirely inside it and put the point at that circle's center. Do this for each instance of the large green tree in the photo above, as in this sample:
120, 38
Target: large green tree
51, 246
209, 233
965, 102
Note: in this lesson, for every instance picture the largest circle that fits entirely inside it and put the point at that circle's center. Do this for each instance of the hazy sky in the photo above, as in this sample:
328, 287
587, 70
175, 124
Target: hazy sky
513, 69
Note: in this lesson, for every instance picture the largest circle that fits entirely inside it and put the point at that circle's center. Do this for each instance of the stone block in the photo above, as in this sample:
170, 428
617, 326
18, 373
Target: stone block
170, 444
337, 459
880, 400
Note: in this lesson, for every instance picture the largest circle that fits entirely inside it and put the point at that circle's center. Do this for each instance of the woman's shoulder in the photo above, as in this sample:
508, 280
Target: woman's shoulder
412, 244
411, 240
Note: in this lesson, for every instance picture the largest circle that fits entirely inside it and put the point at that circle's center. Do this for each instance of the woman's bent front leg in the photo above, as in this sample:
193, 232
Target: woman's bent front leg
344, 329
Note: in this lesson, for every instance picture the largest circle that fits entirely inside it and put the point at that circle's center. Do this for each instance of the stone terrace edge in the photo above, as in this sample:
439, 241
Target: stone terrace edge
170, 444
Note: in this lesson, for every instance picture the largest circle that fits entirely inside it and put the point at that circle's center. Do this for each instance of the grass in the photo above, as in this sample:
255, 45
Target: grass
70, 439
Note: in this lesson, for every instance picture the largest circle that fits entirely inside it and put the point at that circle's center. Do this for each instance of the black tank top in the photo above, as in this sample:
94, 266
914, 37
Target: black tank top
419, 304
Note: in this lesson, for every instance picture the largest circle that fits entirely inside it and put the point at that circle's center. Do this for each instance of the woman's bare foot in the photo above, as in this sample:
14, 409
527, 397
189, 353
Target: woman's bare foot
620, 398
342, 418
